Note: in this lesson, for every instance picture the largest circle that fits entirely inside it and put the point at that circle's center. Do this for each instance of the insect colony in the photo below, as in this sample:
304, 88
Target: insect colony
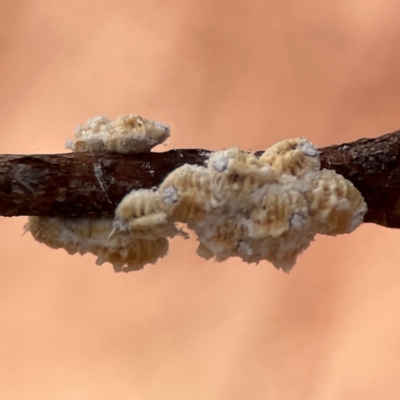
238, 205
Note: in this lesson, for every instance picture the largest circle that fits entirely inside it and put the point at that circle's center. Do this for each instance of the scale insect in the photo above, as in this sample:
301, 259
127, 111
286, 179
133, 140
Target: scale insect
239, 205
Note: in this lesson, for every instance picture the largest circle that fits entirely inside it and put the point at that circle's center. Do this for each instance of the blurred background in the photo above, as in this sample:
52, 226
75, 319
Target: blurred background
221, 73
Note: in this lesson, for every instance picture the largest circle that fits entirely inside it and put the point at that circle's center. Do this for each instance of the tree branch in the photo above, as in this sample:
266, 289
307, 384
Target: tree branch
92, 184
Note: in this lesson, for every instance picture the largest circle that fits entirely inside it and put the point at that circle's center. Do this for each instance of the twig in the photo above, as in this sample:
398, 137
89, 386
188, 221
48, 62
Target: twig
92, 184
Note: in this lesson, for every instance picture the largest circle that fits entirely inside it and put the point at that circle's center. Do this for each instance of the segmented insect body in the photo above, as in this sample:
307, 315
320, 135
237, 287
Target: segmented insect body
140, 212
223, 239
185, 194
272, 208
277, 212
335, 203
295, 156
134, 256
138, 234
235, 176
93, 236
126, 134
267, 208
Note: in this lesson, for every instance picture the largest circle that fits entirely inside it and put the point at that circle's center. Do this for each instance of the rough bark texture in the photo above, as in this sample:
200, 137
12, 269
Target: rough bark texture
92, 184
373, 166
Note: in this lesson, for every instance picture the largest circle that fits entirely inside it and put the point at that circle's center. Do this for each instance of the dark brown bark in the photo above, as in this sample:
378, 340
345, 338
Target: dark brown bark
81, 184
373, 166
92, 184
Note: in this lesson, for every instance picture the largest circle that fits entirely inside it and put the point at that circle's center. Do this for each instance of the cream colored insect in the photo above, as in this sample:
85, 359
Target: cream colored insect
124, 251
185, 194
267, 208
239, 205
138, 235
140, 212
126, 134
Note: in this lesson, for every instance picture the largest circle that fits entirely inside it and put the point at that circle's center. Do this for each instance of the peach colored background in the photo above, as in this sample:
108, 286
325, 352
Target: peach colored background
222, 73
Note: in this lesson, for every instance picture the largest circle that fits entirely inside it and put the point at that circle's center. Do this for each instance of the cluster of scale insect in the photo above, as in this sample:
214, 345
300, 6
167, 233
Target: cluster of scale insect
269, 207
126, 134
185, 194
296, 157
140, 213
256, 208
123, 250
138, 234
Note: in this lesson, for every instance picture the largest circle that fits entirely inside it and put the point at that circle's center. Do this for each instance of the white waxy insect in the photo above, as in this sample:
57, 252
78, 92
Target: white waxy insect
292, 156
242, 174
185, 193
124, 251
138, 235
126, 134
337, 206
239, 205
268, 208
140, 212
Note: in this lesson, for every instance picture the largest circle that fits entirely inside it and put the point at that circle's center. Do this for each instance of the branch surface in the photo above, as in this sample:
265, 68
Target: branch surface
92, 184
